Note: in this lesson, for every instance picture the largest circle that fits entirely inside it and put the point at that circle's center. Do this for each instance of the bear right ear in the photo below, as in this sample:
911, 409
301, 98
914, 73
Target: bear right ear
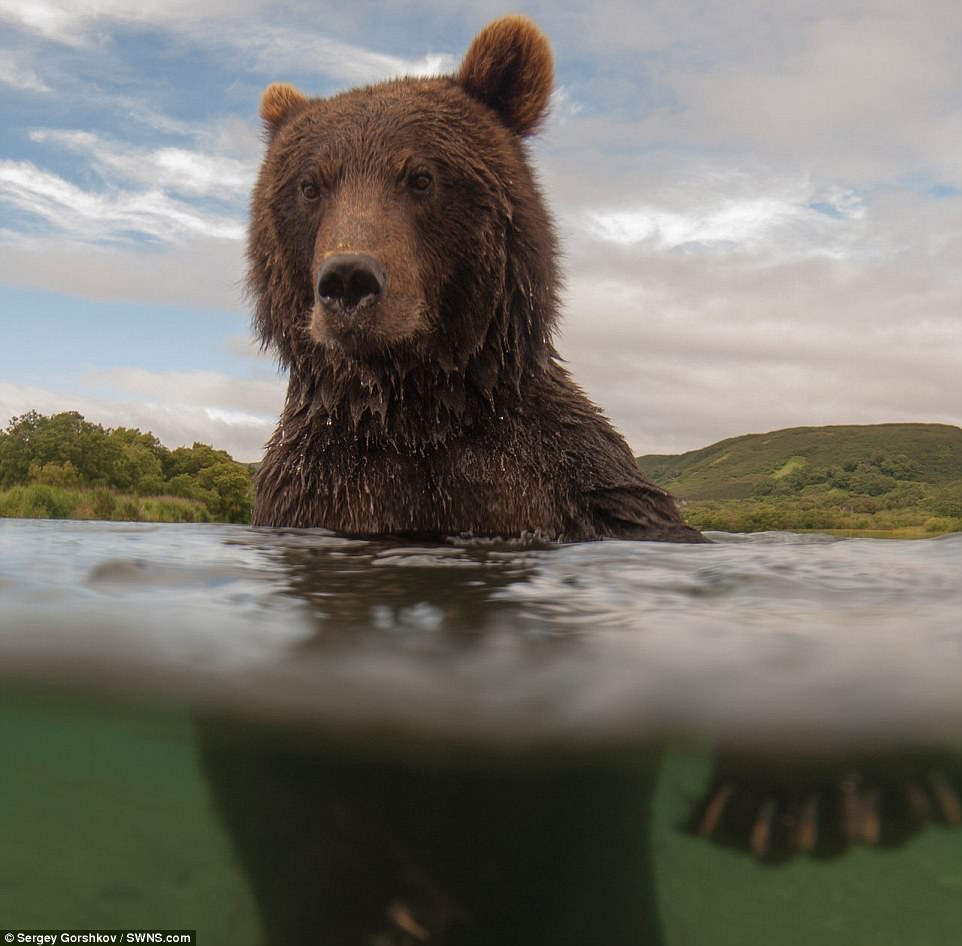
278, 103
509, 67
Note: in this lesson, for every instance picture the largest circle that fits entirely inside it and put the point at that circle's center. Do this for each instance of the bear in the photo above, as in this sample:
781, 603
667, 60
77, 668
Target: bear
403, 268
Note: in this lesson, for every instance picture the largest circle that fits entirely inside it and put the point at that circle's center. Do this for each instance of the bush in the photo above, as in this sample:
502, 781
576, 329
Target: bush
55, 474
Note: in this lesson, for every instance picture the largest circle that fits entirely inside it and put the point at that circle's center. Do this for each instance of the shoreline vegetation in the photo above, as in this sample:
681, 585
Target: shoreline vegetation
64, 467
885, 480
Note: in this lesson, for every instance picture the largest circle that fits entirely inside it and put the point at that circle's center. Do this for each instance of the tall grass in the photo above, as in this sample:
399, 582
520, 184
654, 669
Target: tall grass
813, 514
43, 501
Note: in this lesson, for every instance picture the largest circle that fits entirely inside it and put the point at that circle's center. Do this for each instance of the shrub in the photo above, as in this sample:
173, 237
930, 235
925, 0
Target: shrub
55, 474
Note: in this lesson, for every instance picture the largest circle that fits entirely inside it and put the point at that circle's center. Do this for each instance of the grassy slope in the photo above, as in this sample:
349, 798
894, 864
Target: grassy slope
733, 469
752, 477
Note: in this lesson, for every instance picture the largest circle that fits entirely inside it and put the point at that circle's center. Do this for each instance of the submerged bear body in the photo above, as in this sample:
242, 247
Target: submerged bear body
402, 263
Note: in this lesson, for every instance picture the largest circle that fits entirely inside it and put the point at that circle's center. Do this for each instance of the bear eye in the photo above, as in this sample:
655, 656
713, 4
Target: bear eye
310, 190
420, 181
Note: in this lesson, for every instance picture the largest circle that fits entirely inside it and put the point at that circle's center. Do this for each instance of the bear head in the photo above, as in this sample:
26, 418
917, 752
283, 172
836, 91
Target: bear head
398, 236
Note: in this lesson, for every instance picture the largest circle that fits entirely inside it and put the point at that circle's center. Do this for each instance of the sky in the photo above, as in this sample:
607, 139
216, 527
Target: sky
759, 203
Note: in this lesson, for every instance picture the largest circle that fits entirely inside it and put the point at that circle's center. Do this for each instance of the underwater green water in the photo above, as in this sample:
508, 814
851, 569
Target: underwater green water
106, 821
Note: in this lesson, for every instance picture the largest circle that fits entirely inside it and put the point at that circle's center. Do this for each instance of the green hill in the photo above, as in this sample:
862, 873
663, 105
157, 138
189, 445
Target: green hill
882, 477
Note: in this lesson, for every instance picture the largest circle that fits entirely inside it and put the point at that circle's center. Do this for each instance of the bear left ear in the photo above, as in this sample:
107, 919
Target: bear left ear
509, 67
278, 102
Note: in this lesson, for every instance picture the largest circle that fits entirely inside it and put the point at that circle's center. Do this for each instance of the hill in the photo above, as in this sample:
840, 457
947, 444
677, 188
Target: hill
880, 477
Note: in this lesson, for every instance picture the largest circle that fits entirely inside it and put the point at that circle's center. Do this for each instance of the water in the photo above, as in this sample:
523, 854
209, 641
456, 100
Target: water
292, 737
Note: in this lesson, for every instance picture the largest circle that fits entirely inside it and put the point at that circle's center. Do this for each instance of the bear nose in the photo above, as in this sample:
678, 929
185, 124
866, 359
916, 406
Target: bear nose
350, 281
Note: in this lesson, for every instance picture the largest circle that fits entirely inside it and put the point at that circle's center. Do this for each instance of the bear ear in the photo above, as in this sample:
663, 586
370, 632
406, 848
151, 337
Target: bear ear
509, 67
278, 102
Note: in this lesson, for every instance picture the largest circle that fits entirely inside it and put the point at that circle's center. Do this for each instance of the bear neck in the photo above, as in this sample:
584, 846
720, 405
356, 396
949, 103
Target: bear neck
406, 401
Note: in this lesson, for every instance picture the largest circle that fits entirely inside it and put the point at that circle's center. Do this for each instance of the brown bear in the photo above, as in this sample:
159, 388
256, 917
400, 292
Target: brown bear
403, 268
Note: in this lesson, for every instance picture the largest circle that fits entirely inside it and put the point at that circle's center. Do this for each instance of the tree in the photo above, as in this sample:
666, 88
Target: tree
139, 464
194, 459
230, 482
64, 450
16, 448
32, 439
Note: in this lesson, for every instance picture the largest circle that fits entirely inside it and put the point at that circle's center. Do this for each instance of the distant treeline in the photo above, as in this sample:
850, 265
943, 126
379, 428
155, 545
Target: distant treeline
64, 467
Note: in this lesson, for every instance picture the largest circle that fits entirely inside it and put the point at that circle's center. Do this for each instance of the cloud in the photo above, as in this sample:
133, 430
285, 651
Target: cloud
243, 401
15, 74
114, 216
744, 224
81, 25
736, 213
50, 21
184, 171
250, 29
687, 351
198, 272
273, 48
850, 89
139, 110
